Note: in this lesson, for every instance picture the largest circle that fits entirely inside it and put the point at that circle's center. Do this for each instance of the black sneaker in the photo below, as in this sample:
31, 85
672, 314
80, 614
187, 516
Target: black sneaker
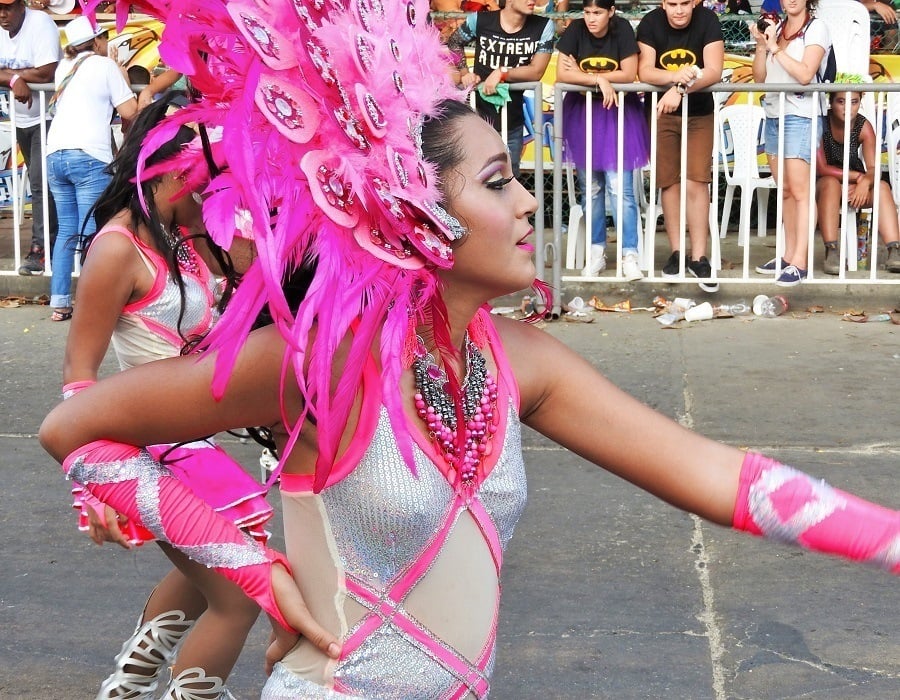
702, 270
671, 268
34, 262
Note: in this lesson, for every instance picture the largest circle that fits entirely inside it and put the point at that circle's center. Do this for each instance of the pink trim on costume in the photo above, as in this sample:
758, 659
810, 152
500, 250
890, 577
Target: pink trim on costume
369, 413
751, 467
504, 371
488, 531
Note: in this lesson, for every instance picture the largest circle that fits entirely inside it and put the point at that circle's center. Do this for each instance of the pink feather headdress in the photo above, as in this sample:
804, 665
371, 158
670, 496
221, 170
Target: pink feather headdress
316, 107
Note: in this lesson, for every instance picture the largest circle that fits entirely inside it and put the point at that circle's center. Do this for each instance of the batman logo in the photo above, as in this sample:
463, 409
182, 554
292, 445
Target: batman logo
598, 64
677, 58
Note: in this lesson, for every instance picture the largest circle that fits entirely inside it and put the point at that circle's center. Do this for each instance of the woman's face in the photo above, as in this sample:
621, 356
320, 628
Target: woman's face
840, 105
494, 258
793, 7
597, 19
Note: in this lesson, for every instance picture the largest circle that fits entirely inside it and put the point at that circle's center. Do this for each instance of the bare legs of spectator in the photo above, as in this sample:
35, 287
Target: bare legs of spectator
697, 216
796, 217
828, 199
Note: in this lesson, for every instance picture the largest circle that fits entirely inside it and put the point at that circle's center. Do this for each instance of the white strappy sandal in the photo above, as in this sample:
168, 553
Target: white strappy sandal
150, 649
194, 684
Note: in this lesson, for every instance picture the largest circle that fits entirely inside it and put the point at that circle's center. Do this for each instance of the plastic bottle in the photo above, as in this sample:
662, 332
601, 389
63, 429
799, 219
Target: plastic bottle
769, 307
738, 308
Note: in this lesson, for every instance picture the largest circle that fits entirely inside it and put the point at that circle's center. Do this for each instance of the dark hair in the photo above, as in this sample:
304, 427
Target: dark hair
122, 193
602, 4
440, 139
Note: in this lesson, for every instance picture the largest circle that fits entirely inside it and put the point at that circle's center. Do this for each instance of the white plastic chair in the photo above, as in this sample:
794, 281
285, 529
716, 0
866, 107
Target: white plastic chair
740, 135
848, 25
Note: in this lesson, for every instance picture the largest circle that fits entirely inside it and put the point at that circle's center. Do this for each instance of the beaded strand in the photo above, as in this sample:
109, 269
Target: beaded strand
438, 410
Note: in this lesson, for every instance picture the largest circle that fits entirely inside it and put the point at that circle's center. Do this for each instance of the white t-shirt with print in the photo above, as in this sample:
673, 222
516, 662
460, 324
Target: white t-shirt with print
85, 107
797, 103
35, 45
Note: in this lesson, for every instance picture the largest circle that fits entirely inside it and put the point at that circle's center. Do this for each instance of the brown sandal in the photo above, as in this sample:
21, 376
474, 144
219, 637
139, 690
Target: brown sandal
61, 315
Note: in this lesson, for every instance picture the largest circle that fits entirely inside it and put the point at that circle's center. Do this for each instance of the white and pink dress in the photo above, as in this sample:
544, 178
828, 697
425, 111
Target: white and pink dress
403, 567
148, 330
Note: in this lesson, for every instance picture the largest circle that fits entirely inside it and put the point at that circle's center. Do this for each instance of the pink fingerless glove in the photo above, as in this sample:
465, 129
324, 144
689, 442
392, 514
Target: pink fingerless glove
131, 482
784, 504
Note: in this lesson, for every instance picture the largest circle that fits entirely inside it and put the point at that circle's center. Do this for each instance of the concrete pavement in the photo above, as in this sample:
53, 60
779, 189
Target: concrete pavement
607, 592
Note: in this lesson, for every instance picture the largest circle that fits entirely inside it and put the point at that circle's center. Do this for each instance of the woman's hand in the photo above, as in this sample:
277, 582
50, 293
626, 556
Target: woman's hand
291, 604
859, 194
107, 530
609, 94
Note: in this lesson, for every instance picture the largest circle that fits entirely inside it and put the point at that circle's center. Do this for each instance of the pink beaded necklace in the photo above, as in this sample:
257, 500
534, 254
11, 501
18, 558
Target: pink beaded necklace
439, 411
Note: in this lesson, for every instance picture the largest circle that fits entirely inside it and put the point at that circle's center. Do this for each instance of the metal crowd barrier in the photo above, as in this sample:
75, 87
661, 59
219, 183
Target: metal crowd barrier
883, 112
885, 121
17, 179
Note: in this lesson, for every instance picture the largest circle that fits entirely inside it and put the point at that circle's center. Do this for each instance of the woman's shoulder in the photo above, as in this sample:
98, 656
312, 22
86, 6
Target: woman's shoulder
817, 33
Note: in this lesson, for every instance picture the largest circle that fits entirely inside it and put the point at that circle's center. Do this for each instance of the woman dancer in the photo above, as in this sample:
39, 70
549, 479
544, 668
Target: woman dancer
596, 51
402, 481
150, 291
792, 51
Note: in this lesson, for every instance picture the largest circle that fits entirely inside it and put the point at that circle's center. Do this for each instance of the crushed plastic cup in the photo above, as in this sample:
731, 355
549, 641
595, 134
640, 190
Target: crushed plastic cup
700, 312
576, 304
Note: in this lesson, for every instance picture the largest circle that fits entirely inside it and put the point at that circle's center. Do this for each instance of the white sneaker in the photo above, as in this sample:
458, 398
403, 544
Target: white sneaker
597, 263
631, 270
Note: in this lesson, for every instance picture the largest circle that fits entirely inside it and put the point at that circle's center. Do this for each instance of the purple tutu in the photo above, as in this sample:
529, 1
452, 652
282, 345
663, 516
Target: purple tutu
636, 141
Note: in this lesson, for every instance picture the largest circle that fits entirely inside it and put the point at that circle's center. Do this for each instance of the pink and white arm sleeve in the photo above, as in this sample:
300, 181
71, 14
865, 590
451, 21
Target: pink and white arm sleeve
130, 481
784, 504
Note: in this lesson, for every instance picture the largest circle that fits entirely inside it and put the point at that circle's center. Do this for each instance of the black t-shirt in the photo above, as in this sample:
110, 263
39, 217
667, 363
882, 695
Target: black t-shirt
496, 48
598, 55
676, 48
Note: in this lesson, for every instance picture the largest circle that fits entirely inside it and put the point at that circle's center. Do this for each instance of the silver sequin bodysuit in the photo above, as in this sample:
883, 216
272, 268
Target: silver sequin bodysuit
404, 567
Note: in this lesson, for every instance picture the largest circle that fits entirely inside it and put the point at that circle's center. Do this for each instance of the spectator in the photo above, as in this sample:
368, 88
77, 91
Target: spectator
885, 10
595, 52
682, 50
89, 86
512, 45
156, 85
861, 178
792, 51
29, 53
449, 25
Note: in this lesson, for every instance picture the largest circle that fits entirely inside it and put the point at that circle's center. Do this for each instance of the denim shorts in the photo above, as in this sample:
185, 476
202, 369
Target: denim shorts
797, 133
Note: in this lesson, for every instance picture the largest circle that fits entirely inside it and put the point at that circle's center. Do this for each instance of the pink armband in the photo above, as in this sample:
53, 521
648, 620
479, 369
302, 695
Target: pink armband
15, 78
131, 482
784, 504
69, 390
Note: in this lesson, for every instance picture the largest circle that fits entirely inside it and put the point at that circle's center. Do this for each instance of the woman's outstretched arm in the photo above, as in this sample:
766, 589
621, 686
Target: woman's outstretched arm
567, 400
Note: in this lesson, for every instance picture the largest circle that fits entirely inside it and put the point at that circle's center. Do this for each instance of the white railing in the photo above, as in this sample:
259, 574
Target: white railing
884, 121
548, 249
17, 182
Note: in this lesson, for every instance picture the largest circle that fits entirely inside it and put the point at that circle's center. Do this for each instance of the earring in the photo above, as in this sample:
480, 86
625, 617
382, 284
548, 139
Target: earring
196, 197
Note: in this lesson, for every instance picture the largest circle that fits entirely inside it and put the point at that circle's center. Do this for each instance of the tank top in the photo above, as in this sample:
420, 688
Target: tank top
834, 151
148, 329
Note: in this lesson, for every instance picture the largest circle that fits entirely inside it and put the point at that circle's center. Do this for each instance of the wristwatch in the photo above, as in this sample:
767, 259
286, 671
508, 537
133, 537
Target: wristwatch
681, 88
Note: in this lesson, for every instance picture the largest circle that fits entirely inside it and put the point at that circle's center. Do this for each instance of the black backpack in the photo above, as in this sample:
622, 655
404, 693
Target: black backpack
830, 72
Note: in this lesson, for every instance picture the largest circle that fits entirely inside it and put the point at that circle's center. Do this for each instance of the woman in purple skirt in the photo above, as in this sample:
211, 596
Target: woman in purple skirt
596, 52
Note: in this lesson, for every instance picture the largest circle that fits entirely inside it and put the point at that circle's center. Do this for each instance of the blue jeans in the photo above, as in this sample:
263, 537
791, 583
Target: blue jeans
607, 181
76, 181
